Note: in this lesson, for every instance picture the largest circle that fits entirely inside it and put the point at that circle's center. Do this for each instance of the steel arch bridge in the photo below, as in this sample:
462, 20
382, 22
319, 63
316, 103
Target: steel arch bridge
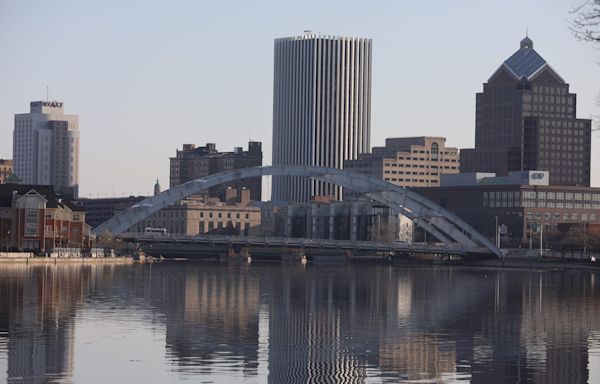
444, 225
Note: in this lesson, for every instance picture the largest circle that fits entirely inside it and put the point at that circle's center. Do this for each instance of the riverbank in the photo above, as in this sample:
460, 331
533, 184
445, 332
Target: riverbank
28, 258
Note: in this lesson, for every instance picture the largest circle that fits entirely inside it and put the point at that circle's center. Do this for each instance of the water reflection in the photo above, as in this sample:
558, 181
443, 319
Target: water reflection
295, 324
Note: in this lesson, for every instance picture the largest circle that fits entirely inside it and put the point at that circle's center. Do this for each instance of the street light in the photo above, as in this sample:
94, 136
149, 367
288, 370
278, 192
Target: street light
497, 233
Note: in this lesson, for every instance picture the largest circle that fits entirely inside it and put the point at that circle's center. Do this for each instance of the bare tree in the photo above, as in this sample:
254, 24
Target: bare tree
585, 23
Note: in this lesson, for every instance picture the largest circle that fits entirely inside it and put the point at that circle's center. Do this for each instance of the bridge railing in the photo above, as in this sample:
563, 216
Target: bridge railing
296, 242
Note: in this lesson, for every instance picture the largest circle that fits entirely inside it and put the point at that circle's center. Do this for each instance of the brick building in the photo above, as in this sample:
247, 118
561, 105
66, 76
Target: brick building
34, 217
6, 169
195, 162
522, 203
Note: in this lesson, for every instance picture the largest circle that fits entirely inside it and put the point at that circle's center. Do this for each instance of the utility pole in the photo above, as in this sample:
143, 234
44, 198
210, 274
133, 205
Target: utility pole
530, 235
541, 239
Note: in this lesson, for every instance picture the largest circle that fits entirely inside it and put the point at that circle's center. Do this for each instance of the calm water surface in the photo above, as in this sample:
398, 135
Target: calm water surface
217, 323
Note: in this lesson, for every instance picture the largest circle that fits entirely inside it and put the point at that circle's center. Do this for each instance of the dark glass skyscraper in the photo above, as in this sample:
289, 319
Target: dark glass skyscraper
526, 120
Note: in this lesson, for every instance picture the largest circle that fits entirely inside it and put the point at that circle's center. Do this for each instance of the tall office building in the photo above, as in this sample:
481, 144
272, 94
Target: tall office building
46, 147
526, 120
321, 108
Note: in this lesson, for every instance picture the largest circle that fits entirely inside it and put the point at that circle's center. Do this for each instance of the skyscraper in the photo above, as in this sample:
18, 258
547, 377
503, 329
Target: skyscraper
321, 108
46, 147
526, 120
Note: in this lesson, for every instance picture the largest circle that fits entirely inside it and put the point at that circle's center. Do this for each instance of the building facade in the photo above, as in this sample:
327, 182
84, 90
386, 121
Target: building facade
520, 202
193, 162
100, 210
46, 147
33, 217
526, 120
321, 108
408, 161
198, 216
6, 169
324, 217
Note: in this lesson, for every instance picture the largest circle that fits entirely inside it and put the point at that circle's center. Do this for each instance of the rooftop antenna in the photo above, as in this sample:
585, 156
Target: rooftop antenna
527, 31
47, 92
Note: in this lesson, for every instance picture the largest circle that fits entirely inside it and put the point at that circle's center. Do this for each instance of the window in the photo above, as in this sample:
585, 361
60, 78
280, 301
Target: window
434, 150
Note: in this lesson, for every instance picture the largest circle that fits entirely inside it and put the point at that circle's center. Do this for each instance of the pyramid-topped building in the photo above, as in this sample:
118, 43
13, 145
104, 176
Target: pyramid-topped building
526, 120
526, 62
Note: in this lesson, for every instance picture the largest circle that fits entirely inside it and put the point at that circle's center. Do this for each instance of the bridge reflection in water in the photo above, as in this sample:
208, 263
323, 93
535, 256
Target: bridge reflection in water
298, 324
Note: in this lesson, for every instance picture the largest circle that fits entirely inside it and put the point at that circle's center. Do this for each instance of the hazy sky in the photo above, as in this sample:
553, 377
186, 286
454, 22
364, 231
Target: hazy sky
147, 76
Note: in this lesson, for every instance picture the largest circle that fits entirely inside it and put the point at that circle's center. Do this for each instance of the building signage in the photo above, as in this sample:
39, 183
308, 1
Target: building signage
537, 176
51, 104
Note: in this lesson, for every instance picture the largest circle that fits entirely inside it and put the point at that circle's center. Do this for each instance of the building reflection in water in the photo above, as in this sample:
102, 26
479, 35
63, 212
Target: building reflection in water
317, 323
37, 305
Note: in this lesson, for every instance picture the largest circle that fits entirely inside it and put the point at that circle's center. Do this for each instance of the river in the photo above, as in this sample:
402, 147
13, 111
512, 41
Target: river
293, 323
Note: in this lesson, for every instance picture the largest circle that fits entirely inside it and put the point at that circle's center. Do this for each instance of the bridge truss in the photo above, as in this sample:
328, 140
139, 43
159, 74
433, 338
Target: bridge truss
444, 225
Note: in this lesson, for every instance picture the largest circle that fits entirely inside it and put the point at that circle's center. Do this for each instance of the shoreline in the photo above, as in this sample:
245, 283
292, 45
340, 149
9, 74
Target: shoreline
67, 260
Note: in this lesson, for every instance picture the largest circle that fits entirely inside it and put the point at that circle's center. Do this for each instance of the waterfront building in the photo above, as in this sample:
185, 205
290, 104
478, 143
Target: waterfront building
6, 169
193, 162
46, 147
324, 217
526, 120
196, 215
321, 108
408, 161
522, 204
99, 210
35, 217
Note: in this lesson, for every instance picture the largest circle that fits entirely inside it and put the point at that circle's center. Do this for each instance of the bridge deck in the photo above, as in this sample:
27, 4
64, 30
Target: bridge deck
395, 246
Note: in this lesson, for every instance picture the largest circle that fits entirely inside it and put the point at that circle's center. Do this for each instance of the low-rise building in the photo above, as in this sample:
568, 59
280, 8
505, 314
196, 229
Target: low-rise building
520, 205
200, 215
326, 218
33, 217
408, 161
100, 210
6, 169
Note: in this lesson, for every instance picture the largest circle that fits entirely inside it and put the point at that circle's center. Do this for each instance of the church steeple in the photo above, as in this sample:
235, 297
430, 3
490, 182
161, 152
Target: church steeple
156, 188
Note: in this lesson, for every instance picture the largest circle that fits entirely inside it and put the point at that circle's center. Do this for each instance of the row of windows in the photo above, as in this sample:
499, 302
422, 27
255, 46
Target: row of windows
424, 159
220, 215
449, 153
565, 216
539, 204
412, 173
541, 195
410, 180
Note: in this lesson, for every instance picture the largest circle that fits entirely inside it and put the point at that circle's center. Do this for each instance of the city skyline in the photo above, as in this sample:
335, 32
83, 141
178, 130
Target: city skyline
132, 83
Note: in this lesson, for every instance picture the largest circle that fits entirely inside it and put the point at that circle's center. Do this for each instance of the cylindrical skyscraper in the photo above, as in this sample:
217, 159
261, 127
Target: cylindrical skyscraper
321, 108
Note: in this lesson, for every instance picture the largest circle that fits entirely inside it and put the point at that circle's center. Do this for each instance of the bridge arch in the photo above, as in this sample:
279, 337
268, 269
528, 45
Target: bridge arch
446, 226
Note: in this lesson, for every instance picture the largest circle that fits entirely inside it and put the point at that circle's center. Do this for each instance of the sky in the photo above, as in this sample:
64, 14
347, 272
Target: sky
147, 76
